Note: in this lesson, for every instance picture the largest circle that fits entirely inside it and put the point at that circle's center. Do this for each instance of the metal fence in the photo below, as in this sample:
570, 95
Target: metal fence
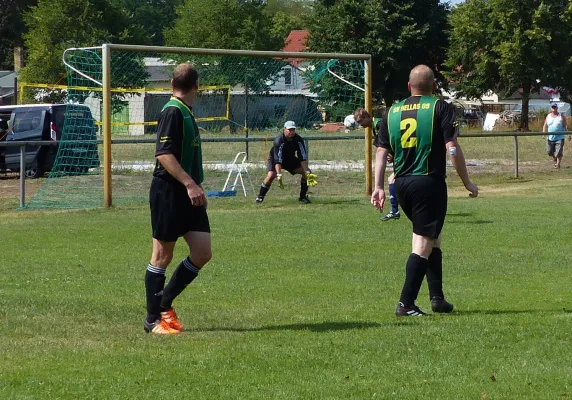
22, 145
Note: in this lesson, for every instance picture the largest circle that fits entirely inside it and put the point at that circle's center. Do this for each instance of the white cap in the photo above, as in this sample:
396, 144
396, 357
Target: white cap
290, 125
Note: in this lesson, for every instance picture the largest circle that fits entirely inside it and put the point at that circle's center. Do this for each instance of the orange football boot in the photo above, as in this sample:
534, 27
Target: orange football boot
170, 317
160, 327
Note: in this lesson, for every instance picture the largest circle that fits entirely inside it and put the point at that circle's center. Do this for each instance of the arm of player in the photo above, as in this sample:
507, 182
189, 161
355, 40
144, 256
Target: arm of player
304, 164
458, 160
378, 195
195, 191
278, 169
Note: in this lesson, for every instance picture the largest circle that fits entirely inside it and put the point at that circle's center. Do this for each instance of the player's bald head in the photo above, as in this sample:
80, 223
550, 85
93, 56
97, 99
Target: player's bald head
421, 80
185, 78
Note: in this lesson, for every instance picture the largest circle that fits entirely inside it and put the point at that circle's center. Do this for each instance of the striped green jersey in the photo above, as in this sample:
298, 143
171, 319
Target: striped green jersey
415, 131
178, 134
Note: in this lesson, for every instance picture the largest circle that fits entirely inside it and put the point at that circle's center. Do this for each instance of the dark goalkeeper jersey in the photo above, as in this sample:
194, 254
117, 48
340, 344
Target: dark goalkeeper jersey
288, 152
415, 131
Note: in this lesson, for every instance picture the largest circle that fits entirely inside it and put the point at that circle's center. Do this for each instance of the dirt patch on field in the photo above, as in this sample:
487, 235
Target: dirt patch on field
10, 186
528, 187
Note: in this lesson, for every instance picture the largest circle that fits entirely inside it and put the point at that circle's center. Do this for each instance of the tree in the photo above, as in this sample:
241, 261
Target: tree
509, 46
287, 15
11, 28
151, 17
228, 24
55, 25
399, 34
223, 24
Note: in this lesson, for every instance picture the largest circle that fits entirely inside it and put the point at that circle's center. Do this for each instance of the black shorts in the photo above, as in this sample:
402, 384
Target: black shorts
288, 166
424, 200
172, 214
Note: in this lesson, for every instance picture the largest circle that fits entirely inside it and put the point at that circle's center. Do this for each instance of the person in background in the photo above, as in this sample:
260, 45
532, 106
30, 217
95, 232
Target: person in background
363, 118
554, 123
287, 154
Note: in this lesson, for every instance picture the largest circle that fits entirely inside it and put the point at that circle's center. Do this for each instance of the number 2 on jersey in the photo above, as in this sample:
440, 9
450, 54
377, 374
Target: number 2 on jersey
408, 138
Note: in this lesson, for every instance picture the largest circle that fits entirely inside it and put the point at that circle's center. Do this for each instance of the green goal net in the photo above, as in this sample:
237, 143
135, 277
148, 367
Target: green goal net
241, 95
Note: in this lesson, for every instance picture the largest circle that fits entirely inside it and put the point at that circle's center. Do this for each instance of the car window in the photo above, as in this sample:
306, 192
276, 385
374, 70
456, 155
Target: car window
28, 121
59, 118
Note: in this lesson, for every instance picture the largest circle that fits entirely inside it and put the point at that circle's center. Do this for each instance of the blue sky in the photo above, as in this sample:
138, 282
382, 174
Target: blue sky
453, 1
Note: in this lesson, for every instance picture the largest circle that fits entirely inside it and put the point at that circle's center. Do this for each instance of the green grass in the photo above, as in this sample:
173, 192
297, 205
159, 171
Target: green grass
297, 302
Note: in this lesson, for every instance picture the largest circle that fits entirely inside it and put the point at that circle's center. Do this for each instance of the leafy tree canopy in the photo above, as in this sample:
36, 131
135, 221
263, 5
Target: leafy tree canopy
233, 24
510, 46
55, 25
150, 17
399, 34
223, 24
11, 28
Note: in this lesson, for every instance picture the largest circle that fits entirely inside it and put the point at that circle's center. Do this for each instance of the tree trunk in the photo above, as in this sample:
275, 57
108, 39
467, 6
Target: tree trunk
525, 100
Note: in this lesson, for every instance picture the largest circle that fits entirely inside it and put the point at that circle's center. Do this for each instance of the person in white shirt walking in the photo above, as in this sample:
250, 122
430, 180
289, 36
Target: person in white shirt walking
555, 122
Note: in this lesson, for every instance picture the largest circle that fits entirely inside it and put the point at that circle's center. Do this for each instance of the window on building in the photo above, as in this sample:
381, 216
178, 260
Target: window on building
288, 76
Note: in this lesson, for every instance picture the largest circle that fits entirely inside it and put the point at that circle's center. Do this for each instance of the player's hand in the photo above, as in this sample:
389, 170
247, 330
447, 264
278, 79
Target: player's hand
312, 179
378, 198
280, 182
196, 194
473, 189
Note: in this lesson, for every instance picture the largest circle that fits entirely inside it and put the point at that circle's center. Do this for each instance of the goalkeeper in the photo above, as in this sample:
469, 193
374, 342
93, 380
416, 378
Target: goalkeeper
288, 154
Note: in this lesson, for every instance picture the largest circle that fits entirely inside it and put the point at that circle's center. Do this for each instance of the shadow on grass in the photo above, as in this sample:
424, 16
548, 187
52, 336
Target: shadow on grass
475, 222
318, 327
504, 312
460, 214
321, 201
451, 219
342, 201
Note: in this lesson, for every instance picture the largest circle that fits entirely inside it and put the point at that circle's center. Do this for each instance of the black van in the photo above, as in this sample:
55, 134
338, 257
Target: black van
78, 151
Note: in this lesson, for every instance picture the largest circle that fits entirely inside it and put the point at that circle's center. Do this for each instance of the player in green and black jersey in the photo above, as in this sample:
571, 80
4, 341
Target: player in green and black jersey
178, 204
418, 132
362, 117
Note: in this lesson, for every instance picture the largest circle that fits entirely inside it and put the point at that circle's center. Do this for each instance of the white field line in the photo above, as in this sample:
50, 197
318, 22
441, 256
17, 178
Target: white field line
316, 165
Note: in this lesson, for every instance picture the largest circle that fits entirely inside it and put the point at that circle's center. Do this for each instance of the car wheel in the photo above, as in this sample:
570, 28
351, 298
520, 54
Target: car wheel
33, 172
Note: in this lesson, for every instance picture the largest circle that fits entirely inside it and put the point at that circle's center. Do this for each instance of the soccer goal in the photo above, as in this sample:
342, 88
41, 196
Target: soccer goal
241, 93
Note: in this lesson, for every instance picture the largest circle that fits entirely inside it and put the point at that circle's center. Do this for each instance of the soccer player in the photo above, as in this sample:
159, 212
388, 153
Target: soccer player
363, 118
288, 153
418, 132
178, 204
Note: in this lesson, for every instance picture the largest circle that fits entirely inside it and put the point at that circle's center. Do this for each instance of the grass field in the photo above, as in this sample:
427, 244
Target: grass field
297, 302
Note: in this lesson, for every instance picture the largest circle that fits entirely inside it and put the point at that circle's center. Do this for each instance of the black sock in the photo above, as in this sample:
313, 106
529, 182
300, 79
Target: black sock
414, 274
183, 275
263, 190
435, 273
303, 188
154, 283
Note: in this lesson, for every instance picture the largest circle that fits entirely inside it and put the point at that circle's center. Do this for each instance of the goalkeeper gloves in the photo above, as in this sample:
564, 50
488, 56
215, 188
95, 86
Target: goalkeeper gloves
280, 183
312, 179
